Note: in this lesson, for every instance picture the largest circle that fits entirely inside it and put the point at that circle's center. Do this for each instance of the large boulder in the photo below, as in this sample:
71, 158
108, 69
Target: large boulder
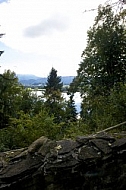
89, 163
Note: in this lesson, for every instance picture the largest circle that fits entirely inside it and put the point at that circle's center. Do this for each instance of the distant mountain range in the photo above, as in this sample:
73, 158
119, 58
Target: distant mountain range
32, 80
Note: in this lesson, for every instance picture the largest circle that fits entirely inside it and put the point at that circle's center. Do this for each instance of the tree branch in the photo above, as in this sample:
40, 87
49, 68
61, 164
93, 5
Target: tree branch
113, 127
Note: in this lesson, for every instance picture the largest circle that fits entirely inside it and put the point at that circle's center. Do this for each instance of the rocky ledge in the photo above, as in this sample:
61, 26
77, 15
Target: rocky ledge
89, 163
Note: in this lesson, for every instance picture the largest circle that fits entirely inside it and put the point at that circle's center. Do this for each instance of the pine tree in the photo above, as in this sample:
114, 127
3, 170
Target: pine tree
53, 81
53, 95
71, 112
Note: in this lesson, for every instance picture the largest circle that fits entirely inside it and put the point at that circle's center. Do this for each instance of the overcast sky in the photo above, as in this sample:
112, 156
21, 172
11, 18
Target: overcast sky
41, 34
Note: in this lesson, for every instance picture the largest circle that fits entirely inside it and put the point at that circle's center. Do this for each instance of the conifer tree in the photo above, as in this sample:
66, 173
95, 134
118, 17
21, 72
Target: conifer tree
53, 95
71, 112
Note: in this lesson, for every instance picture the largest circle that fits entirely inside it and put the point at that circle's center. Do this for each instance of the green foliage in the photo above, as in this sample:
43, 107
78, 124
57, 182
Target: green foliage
10, 90
45, 125
53, 81
54, 102
26, 103
117, 101
26, 129
63, 111
74, 129
29, 102
105, 111
70, 112
101, 76
25, 116
14, 97
104, 58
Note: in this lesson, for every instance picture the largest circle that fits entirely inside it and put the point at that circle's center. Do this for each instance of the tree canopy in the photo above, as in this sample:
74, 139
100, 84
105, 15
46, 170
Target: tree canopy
103, 60
53, 95
53, 81
102, 71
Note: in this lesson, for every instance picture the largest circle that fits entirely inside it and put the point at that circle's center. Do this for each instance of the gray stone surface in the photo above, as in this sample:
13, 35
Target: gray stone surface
89, 163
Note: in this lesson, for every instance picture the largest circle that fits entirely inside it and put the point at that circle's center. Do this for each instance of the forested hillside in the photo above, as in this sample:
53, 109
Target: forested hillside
34, 81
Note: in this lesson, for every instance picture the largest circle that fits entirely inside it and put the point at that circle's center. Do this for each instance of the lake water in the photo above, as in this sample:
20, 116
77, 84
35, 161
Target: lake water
77, 99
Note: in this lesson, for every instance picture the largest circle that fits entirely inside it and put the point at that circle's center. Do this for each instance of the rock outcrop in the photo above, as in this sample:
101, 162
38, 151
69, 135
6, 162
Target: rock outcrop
88, 163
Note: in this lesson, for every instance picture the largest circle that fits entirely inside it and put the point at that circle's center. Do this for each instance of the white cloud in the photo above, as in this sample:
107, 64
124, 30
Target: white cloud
47, 27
